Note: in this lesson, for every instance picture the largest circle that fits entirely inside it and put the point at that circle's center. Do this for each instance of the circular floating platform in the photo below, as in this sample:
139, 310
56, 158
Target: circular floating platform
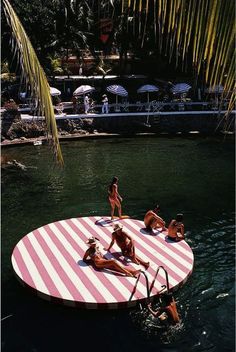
49, 260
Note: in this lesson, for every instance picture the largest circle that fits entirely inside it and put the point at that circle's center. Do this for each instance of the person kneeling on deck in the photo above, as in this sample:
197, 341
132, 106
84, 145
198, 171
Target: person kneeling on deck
152, 220
176, 229
126, 244
102, 262
168, 313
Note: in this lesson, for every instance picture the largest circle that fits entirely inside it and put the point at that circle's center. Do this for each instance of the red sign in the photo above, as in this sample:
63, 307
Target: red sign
106, 26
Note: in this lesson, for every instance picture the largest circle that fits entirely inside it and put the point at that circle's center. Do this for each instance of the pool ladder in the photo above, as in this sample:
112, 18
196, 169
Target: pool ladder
149, 288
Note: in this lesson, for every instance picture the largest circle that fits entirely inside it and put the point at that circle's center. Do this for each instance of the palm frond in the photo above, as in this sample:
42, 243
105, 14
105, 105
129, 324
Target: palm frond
35, 75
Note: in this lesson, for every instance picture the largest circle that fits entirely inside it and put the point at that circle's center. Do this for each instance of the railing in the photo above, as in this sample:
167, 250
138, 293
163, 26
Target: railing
167, 278
138, 107
153, 106
149, 288
136, 283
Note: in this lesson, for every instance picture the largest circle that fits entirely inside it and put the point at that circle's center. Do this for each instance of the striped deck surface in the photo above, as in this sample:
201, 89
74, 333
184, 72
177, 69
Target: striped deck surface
49, 260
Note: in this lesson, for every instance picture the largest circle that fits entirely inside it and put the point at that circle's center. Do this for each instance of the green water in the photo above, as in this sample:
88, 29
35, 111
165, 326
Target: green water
194, 176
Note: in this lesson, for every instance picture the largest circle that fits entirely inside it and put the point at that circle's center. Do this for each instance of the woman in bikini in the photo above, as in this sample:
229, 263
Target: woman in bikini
101, 262
114, 197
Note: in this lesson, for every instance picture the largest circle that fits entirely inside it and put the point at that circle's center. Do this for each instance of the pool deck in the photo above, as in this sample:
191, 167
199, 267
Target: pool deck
63, 116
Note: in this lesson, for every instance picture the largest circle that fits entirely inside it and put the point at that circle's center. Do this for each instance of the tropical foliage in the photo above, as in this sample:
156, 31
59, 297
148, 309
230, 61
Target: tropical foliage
202, 31
196, 35
34, 75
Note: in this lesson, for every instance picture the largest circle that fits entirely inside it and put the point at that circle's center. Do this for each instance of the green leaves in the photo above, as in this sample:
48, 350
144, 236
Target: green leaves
34, 75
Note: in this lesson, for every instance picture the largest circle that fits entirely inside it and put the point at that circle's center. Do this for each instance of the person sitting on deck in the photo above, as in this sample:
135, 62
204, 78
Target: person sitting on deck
152, 220
176, 228
126, 244
167, 313
102, 262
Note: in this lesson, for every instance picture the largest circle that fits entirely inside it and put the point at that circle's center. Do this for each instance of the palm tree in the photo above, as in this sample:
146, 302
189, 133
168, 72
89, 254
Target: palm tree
73, 24
34, 75
200, 32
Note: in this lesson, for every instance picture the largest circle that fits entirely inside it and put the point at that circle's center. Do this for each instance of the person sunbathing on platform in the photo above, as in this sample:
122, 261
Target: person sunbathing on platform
126, 244
152, 220
102, 262
176, 229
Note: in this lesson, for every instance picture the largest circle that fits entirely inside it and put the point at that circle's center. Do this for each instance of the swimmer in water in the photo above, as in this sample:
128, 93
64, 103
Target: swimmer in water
168, 312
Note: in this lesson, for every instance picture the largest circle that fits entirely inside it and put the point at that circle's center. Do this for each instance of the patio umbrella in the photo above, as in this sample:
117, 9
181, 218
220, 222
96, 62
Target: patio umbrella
117, 90
180, 88
148, 88
82, 90
216, 89
54, 92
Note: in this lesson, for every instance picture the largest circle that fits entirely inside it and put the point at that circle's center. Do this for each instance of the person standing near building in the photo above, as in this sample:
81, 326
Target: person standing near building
86, 103
105, 104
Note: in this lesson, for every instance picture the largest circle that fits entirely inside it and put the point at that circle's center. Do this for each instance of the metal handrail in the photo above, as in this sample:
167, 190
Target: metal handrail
136, 283
167, 278
149, 289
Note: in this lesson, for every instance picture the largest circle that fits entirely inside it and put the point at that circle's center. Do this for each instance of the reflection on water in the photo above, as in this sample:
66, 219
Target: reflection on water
193, 176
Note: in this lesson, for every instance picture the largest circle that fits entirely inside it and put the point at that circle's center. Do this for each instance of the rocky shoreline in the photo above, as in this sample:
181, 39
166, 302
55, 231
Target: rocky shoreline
15, 131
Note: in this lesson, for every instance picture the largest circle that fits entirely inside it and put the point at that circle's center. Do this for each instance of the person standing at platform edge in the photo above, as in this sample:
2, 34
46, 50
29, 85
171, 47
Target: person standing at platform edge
114, 197
176, 228
105, 104
126, 244
86, 103
152, 220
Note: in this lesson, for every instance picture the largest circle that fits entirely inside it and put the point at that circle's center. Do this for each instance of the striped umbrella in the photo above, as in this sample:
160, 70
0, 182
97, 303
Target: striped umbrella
148, 88
54, 92
216, 89
180, 88
117, 90
82, 90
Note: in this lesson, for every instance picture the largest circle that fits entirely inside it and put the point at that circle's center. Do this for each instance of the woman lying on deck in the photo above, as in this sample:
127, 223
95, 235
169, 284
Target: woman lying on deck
101, 262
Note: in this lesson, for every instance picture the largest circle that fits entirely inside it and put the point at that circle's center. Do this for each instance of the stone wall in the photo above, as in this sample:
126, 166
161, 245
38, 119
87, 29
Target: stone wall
170, 123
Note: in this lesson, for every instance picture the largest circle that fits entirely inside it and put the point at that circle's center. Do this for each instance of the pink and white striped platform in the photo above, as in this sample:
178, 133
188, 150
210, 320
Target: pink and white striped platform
49, 260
